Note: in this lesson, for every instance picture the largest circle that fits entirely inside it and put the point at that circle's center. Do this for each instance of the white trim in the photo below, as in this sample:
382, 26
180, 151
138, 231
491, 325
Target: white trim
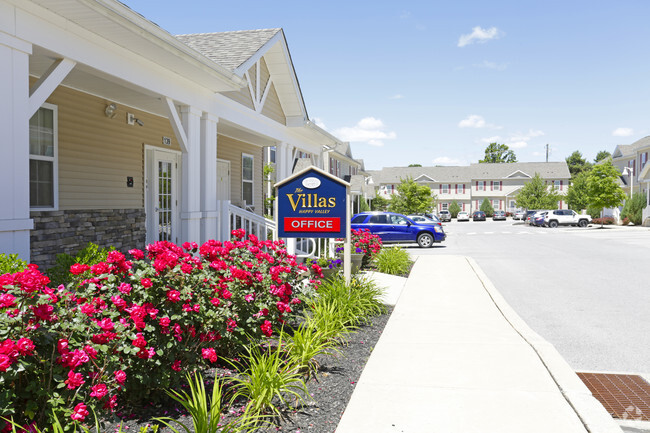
149, 157
49, 81
175, 120
252, 181
517, 171
54, 158
424, 175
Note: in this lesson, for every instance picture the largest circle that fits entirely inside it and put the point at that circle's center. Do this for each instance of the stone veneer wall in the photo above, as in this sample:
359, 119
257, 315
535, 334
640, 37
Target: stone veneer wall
69, 231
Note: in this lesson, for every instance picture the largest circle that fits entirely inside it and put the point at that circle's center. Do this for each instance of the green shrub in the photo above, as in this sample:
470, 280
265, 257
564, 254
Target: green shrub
90, 255
633, 208
308, 341
10, 264
393, 261
454, 208
593, 212
486, 207
347, 305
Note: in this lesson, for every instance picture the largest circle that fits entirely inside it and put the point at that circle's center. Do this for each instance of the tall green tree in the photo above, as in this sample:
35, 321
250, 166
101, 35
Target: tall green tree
577, 197
499, 153
379, 203
602, 155
486, 207
411, 198
454, 208
577, 164
537, 195
603, 188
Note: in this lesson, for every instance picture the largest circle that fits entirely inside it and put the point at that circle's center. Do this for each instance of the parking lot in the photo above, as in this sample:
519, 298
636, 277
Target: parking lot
583, 289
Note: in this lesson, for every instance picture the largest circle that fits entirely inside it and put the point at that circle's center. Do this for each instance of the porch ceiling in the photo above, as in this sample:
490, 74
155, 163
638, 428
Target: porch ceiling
86, 79
242, 134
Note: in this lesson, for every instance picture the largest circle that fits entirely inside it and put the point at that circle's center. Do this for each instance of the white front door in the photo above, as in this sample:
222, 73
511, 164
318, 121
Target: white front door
223, 179
162, 195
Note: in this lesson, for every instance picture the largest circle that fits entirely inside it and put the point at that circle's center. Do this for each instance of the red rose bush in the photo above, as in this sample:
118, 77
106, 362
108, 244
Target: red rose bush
129, 327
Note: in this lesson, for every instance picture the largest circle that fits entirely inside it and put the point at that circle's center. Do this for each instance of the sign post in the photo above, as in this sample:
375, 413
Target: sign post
314, 204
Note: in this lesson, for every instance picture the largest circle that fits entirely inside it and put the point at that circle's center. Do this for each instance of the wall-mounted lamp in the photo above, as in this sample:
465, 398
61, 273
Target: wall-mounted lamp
110, 111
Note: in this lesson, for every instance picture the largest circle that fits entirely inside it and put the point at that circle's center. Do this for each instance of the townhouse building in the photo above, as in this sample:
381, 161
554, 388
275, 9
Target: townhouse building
470, 185
631, 160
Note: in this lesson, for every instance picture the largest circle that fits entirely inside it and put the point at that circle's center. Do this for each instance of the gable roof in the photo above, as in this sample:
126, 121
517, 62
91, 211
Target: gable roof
229, 49
479, 171
627, 150
238, 51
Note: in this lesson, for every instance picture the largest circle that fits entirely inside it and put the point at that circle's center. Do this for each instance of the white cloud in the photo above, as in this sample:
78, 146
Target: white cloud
398, 96
476, 121
623, 132
514, 141
445, 160
492, 65
479, 35
368, 130
319, 122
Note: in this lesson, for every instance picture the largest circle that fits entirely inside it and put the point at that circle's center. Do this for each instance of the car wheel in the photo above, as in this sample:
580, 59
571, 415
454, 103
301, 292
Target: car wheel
425, 240
552, 224
583, 223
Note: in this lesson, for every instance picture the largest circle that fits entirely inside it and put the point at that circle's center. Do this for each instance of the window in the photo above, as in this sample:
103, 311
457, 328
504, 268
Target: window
272, 154
445, 188
378, 219
444, 206
358, 219
43, 170
460, 188
558, 184
247, 179
513, 204
644, 159
496, 204
480, 185
398, 219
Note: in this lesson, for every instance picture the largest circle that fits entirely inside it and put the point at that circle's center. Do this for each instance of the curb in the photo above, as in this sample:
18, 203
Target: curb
591, 413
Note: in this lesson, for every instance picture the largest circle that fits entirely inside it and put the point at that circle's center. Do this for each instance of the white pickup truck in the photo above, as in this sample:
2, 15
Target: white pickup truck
566, 217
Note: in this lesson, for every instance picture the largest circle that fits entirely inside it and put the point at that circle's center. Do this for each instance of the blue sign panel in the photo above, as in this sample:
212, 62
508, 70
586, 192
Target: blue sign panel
311, 204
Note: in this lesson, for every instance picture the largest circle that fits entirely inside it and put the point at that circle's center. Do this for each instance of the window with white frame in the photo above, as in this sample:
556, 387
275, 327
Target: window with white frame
460, 188
480, 185
247, 179
557, 184
272, 154
445, 188
496, 204
513, 204
43, 171
444, 206
644, 159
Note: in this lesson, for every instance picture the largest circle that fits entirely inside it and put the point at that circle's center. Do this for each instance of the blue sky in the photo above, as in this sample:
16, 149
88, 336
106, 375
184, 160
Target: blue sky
433, 82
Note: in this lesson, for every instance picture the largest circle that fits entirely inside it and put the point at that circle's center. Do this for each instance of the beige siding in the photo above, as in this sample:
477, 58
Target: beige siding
96, 154
272, 107
243, 97
231, 150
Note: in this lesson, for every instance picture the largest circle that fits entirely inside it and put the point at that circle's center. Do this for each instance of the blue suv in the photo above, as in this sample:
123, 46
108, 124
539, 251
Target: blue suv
394, 227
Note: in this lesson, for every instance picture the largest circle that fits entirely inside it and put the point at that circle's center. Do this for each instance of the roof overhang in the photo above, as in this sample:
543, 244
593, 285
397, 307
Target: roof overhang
511, 175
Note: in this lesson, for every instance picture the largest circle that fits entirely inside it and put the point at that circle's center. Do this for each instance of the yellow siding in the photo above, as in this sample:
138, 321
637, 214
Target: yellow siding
96, 154
230, 149
243, 97
264, 74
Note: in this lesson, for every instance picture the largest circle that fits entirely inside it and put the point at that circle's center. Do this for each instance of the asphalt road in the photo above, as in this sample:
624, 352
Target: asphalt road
587, 291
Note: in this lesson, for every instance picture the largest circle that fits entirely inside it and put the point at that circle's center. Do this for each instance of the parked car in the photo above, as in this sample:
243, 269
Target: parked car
528, 215
519, 215
462, 216
426, 219
566, 217
538, 219
499, 215
444, 215
393, 227
478, 216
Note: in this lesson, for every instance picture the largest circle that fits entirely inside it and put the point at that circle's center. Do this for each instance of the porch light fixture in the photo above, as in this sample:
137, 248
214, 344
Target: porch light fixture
110, 111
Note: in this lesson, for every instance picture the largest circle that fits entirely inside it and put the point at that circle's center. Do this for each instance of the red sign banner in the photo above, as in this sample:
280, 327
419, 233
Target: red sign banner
312, 224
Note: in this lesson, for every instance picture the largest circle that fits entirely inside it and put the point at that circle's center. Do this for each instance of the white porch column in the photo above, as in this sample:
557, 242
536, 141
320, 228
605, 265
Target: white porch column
281, 161
191, 176
209, 210
15, 223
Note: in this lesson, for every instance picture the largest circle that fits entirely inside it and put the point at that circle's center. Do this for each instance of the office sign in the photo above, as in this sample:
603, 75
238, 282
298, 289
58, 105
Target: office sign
312, 204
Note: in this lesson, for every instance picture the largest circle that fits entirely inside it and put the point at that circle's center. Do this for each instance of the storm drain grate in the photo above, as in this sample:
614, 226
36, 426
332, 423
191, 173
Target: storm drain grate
624, 396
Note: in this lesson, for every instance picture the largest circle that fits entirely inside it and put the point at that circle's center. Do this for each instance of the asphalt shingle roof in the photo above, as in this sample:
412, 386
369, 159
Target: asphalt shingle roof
547, 170
229, 49
630, 149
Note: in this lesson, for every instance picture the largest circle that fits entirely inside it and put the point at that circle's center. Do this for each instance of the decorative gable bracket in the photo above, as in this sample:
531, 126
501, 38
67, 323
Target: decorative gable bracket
257, 93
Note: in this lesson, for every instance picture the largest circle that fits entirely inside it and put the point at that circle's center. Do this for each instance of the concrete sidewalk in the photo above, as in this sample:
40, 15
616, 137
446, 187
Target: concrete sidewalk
455, 358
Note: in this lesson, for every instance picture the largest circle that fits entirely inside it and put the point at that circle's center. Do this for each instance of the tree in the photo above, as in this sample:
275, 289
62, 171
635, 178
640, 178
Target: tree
415, 165
499, 153
577, 164
602, 155
633, 208
486, 207
379, 203
577, 197
603, 188
454, 208
411, 198
536, 195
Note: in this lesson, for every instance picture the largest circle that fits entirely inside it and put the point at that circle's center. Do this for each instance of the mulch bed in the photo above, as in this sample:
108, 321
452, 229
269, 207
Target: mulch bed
330, 391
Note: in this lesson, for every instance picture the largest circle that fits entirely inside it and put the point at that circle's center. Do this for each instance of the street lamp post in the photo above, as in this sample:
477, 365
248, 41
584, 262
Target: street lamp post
630, 172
